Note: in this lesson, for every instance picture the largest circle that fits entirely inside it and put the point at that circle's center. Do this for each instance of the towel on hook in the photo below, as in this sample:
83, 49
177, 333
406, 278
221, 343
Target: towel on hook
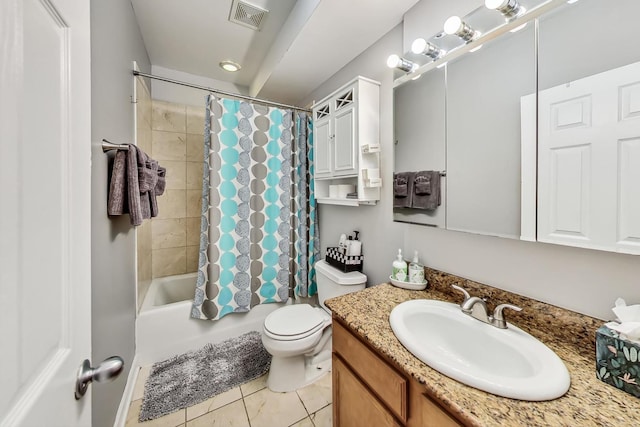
403, 189
427, 190
136, 180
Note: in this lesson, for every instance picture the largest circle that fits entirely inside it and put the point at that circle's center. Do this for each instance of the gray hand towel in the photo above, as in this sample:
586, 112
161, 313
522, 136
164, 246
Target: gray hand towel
136, 179
403, 189
117, 201
426, 190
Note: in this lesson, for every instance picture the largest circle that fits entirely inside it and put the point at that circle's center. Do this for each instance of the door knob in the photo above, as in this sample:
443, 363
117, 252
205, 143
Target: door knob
106, 371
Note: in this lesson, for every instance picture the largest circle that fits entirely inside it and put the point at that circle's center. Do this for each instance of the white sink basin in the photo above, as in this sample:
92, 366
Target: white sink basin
506, 362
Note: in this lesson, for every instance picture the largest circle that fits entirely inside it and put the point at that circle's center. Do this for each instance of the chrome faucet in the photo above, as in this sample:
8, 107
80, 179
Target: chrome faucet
477, 308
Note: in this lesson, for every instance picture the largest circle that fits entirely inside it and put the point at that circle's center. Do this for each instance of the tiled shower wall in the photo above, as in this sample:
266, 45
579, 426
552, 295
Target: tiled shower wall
177, 142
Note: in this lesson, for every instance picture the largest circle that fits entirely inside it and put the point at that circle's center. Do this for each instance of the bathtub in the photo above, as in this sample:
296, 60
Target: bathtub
164, 327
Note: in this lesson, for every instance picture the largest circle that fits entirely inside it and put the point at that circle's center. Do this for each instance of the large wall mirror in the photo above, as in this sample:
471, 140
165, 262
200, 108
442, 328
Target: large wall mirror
546, 151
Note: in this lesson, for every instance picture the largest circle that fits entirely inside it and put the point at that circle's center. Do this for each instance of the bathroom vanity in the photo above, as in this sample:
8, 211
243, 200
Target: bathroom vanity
376, 381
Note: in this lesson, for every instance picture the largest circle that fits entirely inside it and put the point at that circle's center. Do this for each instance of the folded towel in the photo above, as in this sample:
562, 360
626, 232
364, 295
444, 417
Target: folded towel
427, 190
136, 179
116, 204
403, 189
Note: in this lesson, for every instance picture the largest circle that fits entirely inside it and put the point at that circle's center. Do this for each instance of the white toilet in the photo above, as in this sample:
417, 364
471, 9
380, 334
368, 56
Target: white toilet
298, 336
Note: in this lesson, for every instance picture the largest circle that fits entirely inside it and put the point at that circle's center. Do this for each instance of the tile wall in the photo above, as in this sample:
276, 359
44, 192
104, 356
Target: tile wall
177, 142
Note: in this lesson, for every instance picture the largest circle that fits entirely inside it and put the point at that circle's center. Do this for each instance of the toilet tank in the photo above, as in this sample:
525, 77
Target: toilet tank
333, 282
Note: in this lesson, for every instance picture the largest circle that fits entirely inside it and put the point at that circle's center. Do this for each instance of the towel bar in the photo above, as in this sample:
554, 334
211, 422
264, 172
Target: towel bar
110, 146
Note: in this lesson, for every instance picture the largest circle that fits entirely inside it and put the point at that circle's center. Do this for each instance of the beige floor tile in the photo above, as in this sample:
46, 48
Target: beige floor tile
268, 409
317, 395
214, 403
304, 423
324, 417
171, 420
254, 385
138, 390
231, 415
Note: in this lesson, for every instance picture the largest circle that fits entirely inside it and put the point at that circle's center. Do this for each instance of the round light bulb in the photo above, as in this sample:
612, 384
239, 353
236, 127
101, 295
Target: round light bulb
418, 46
494, 4
393, 61
452, 25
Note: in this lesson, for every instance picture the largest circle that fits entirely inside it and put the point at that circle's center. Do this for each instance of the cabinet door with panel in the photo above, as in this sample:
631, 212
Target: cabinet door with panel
353, 404
344, 142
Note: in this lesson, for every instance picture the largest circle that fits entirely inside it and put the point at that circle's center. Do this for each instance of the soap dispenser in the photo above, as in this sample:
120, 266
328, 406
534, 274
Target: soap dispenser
416, 270
399, 268
355, 248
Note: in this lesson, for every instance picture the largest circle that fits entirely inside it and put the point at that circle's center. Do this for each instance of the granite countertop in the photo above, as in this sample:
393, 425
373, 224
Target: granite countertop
589, 401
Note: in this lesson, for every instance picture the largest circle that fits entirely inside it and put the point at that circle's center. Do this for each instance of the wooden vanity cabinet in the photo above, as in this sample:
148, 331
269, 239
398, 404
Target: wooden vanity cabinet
369, 391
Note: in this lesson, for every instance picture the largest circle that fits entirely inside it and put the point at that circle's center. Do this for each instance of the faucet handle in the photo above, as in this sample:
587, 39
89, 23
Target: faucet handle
463, 290
498, 315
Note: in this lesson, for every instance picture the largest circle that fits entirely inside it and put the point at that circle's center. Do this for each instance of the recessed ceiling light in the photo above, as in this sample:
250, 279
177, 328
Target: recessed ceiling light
230, 66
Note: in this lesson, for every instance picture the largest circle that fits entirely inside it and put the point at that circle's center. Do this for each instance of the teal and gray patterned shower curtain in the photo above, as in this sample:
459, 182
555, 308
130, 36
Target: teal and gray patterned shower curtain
258, 235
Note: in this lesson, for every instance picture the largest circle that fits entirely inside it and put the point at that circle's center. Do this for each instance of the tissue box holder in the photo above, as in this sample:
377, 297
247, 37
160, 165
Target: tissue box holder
345, 263
617, 361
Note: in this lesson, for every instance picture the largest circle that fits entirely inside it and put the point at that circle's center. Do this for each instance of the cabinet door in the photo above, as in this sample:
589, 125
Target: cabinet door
345, 160
322, 147
353, 404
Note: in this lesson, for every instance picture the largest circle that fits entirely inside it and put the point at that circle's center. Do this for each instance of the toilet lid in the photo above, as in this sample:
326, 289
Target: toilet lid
295, 321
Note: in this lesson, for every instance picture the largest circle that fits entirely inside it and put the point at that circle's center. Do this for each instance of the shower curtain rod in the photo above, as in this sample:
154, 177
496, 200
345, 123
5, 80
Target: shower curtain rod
220, 92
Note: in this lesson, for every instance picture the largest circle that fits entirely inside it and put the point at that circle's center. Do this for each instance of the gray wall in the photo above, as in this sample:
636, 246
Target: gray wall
585, 281
115, 43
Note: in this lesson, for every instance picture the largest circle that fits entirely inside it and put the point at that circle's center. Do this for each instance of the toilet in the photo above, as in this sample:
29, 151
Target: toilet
298, 336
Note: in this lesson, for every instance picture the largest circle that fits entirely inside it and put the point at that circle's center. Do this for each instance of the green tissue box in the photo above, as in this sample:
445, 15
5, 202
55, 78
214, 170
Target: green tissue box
617, 361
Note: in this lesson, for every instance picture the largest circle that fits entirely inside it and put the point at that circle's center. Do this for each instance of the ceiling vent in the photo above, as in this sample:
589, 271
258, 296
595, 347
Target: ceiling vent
247, 15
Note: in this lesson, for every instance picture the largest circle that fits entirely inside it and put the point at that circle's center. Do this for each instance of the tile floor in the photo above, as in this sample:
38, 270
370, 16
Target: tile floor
250, 405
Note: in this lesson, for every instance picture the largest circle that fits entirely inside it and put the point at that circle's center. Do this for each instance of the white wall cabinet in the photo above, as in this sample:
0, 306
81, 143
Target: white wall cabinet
347, 143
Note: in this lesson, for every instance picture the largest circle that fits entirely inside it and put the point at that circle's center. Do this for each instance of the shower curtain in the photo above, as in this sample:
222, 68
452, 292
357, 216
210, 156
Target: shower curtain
258, 235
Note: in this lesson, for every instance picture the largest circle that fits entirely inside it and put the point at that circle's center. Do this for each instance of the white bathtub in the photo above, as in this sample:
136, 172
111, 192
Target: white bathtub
165, 328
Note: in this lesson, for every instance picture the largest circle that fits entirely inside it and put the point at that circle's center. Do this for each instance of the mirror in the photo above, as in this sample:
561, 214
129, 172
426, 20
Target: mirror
419, 135
483, 134
568, 176
589, 126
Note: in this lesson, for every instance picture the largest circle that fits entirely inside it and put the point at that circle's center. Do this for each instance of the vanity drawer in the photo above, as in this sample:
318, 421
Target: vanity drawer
434, 416
386, 382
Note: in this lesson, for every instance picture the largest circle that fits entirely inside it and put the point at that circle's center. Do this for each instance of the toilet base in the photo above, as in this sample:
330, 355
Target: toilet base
292, 373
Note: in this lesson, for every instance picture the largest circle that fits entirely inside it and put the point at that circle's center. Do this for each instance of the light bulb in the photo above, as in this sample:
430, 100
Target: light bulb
456, 26
452, 25
394, 61
422, 47
508, 8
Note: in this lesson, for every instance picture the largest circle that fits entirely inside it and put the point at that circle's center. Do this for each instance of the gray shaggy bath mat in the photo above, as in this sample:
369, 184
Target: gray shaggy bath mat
194, 377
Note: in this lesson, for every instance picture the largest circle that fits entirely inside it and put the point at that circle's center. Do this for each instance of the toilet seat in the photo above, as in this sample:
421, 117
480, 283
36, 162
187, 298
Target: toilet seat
295, 322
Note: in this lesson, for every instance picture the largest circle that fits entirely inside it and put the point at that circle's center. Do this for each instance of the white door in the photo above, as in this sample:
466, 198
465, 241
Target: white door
44, 210
322, 147
589, 162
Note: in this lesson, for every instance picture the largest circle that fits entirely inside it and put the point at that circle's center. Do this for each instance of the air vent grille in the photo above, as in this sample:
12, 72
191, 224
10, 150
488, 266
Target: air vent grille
247, 15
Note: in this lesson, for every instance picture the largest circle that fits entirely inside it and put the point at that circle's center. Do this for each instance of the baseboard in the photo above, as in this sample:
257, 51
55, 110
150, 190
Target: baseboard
127, 394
